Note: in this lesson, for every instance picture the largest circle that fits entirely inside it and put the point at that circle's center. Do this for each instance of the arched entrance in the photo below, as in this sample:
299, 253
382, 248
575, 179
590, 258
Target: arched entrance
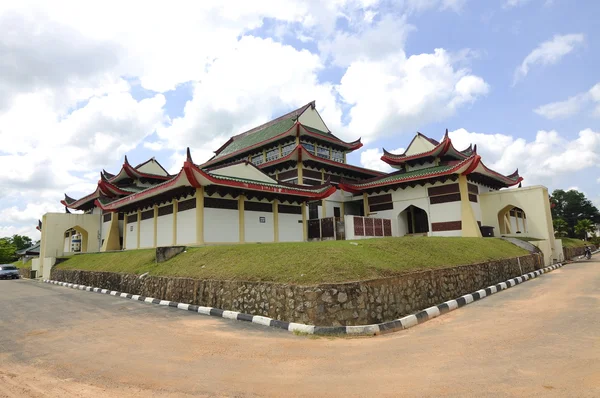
75, 240
512, 220
413, 221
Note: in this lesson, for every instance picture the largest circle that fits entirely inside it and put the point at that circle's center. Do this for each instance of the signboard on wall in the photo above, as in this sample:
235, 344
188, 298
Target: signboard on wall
262, 220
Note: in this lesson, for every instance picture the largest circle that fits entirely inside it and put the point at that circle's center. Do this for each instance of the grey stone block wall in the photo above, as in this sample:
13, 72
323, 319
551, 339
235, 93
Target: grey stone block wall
356, 303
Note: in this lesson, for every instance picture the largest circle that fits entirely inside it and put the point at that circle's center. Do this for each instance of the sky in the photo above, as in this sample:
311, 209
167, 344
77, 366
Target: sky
85, 83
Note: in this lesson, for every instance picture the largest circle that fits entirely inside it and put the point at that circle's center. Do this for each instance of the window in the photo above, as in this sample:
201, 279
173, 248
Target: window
272, 154
258, 159
336, 212
309, 147
313, 210
323, 152
286, 149
338, 156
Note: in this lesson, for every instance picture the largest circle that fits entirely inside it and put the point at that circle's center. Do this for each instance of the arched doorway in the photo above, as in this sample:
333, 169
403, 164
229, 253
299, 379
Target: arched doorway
512, 220
75, 240
413, 221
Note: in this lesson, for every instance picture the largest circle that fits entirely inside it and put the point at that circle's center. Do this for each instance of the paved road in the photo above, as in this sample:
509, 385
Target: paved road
541, 338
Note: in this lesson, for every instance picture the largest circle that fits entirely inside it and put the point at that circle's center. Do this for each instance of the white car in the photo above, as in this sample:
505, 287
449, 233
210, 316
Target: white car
8, 271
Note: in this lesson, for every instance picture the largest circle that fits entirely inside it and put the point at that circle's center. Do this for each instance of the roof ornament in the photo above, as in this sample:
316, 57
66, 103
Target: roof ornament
67, 210
520, 185
189, 156
126, 161
475, 148
446, 135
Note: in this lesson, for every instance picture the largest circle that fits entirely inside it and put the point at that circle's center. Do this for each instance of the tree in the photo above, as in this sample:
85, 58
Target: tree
561, 228
7, 251
583, 227
21, 241
572, 206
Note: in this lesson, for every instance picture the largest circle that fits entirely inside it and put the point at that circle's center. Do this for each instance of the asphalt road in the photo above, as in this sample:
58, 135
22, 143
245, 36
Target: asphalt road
541, 338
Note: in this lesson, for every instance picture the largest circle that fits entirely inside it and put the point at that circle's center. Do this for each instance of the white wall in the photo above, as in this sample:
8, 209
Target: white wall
106, 228
419, 145
152, 168
67, 244
186, 227
258, 232
290, 230
147, 233
132, 228
221, 225
311, 118
164, 233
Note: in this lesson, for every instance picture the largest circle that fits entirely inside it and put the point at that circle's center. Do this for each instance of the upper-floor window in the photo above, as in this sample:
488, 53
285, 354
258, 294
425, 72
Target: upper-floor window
309, 147
272, 154
323, 152
286, 149
258, 159
338, 156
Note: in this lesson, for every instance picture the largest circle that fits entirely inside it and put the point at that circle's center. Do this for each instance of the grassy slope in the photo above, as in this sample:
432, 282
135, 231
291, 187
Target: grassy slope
307, 263
19, 264
572, 242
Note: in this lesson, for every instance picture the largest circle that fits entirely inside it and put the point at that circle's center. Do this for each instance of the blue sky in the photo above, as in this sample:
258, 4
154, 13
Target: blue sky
517, 77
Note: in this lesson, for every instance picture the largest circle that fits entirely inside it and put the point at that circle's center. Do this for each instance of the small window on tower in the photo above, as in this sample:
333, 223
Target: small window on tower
309, 147
323, 152
286, 149
272, 154
338, 156
258, 159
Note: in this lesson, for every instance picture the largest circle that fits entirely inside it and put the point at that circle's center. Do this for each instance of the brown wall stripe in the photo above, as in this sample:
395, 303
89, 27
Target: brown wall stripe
446, 226
147, 214
289, 209
131, 218
258, 206
121, 216
472, 198
381, 207
216, 203
106, 217
453, 197
333, 177
473, 188
311, 174
163, 211
284, 175
374, 200
186, 205
442, 190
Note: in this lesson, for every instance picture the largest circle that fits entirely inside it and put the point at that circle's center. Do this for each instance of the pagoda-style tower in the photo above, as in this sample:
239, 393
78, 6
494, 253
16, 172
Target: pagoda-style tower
297, 147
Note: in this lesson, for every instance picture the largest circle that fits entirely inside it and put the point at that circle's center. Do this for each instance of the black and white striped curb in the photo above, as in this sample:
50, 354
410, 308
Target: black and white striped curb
386, 327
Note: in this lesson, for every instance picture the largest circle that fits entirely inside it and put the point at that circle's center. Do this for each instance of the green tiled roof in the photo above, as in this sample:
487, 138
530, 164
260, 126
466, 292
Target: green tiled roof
258, 136
398, 177
269, 184
316, 131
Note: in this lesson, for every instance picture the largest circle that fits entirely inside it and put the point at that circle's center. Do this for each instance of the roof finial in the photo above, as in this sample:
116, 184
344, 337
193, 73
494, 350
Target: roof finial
475, 148
189, 156
520, 186
446, 135
126, 161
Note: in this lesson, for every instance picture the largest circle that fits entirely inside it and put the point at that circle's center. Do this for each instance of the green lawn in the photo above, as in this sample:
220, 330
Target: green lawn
572, 242
19, 264
305, 263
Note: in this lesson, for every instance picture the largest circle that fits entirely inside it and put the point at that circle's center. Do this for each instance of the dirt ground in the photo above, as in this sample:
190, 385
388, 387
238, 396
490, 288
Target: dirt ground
541, 338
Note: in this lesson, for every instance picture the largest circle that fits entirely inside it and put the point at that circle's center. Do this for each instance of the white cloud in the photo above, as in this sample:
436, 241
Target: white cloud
548, 53
546, 160
573, 105
423, 5
404, 93
515, 3
371, 159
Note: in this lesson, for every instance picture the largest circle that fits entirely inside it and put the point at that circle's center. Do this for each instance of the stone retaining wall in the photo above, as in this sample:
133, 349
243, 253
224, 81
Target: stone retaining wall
25, 273
347, 304
571, 252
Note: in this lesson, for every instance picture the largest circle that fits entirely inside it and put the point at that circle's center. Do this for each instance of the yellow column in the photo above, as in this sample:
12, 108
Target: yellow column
304, 226
139, 227
470, 228
365, 204
344, 157
275, 220
280, 151
241, 199
175, 207
124, 231
155, 225
300, 180
200, 216
265, 155
342, 210
322, 176
324, 210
